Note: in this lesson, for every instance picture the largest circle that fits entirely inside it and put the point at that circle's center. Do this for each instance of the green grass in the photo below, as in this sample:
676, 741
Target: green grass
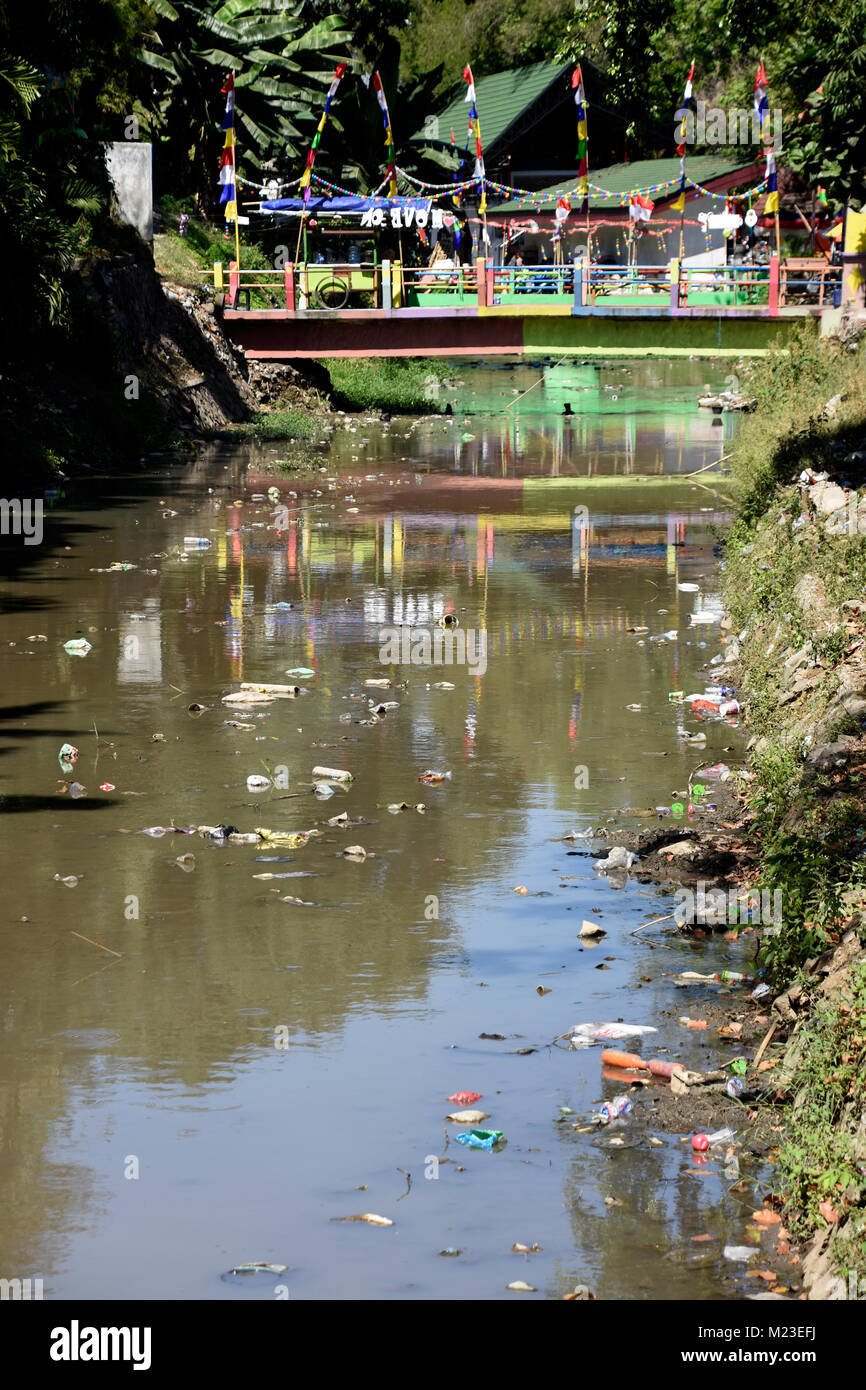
808, 830
281, 424
821, 1158
189, 260
402, 385
786, 433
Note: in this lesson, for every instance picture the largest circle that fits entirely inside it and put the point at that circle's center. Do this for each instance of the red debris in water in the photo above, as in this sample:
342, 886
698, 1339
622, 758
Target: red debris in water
107, 787
465, 1097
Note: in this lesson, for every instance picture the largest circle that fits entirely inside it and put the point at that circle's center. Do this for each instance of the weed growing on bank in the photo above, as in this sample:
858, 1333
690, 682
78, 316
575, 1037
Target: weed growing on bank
786, 579
788, 431
822, 1158
280, 424
404, 385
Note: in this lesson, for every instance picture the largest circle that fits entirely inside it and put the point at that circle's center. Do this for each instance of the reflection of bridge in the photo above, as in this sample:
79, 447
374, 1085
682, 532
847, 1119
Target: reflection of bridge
606, 310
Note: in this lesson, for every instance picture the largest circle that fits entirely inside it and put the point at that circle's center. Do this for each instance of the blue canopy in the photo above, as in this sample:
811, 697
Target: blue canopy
340, 204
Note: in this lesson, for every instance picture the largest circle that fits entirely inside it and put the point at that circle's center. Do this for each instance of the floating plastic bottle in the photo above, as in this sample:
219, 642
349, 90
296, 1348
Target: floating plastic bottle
614, 1109
627, 1060
657, 1068
720, 1136
67, 757
196, 543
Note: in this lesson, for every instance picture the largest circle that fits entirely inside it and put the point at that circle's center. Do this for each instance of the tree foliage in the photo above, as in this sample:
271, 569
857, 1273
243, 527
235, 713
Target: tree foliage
815, 59
493, 35
282, 65
66, 75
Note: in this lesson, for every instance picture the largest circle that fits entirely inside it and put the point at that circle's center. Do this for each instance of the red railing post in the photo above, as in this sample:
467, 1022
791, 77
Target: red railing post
774, 285
481, 281
234, 283
289, 272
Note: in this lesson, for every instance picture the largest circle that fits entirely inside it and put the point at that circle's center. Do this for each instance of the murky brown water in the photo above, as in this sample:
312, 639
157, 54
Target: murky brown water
265, 1066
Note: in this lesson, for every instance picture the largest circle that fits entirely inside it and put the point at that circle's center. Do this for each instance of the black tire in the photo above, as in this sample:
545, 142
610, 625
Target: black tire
332, 293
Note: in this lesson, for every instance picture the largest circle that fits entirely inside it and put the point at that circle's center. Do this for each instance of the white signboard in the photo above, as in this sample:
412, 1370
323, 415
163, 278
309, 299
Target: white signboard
721, 221
401, 217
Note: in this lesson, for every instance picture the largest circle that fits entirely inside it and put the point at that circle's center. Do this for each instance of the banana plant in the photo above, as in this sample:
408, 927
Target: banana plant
282, 67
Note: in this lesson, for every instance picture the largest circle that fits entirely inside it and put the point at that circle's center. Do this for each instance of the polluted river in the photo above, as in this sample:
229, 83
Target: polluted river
224, 1034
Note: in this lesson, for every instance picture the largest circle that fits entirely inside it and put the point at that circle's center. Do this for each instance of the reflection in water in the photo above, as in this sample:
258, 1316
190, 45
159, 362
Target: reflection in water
265, 1046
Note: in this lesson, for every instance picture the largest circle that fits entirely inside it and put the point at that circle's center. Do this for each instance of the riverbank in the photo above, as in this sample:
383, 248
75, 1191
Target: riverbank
145, 366
794, 645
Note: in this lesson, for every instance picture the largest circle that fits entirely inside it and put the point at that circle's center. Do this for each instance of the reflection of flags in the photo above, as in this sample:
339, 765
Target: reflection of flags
683, 114
762, 105
389, 137
582, 138
475, 130
640, 208
311, 157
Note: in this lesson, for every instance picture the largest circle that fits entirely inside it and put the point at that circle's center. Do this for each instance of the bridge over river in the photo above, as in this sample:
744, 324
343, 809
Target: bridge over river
389, 310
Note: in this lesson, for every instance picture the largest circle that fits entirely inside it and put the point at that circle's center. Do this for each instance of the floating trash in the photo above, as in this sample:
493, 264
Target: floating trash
481, 1139
247, 1271
67, 757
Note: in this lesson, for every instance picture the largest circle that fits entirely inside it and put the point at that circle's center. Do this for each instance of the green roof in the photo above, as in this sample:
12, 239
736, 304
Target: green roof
643, 175
500, 98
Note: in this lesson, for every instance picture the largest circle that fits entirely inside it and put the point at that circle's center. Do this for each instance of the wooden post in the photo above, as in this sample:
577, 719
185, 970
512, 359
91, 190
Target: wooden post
774, 287
386, 285
289, 273
234, 283
674, 273
235, 179
481, 281
397, 284
218, 282
491, 284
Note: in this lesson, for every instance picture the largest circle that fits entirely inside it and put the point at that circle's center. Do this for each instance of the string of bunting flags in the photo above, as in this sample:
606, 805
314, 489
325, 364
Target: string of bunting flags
535, 199
519, 195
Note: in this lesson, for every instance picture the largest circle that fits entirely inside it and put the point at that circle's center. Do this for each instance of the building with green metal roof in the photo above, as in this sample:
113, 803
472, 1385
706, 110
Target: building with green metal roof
527, 223
657, 179
527, 119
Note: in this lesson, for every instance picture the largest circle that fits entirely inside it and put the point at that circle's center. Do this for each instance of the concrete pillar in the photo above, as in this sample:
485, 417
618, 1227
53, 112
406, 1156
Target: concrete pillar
674, 276
130, 168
